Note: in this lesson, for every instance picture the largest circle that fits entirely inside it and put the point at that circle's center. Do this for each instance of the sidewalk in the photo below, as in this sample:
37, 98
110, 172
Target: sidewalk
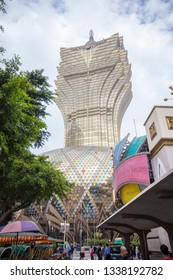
76, 255
156, 256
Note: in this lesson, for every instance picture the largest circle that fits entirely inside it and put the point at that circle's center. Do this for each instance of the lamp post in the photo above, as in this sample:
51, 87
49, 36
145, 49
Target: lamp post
64, 231
74, 229
87, 224
80, 235
94, 229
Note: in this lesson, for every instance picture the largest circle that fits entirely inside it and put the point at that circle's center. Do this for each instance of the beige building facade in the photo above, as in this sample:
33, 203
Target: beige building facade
159, 130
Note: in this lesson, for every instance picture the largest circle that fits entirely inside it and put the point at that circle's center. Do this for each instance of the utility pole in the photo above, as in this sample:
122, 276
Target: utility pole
87, 224
64, 228
64, 231
135, 127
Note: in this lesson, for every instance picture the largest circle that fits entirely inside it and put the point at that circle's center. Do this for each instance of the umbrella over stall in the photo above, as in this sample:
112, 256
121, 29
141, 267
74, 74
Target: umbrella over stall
23, 237
20, 226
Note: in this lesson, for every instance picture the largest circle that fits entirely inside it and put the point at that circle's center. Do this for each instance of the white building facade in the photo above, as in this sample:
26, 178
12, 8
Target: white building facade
159, 130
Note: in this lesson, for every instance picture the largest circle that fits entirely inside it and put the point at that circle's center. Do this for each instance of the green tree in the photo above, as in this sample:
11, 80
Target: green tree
2, 6
23, 100
3, 10
29, 179
24, 177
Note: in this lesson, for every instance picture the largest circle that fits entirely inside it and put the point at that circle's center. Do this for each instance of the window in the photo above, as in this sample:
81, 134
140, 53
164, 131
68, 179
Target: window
152, 130
169, 121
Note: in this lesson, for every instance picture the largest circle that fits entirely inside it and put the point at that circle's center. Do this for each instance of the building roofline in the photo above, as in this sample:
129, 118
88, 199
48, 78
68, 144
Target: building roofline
155, 107
95, 44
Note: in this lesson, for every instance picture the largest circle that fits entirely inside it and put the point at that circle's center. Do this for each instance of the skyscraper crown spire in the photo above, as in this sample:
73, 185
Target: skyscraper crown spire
91, 40
91, 35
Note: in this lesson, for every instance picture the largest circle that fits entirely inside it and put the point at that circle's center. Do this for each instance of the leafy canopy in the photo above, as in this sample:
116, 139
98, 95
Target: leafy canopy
22, 102
24, 177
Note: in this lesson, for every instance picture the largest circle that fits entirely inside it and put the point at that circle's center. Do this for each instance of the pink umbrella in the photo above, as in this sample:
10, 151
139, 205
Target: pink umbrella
20, 226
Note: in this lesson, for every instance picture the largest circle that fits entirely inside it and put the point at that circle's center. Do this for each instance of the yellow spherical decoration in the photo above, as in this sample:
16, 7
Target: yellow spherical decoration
128, 192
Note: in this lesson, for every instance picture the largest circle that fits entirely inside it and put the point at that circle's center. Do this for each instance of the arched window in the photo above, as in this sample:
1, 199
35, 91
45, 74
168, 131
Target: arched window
160, 168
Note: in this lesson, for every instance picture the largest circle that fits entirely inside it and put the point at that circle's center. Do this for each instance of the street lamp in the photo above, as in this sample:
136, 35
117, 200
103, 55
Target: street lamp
64, 227
87, 224
65, 231
171, 87
80, 236
166, 99
94, 228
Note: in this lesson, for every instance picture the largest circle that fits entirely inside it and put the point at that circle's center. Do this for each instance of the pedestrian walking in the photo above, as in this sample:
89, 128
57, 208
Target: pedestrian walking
107, 252
95, 254
103, 252
132, 250
99, 252
68, 248
71, 252
123, 254
91, 253
82, 252
138, 252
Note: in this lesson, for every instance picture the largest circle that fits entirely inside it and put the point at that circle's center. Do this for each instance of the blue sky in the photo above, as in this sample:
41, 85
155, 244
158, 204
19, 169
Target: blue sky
37, 29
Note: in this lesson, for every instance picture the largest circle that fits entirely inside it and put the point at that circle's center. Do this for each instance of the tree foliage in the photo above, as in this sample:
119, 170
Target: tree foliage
29, 179
2, 6
3, 10
24, 177
23, 106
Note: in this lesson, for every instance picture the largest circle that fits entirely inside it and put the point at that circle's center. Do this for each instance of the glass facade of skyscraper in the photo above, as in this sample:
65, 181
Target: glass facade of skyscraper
93, 91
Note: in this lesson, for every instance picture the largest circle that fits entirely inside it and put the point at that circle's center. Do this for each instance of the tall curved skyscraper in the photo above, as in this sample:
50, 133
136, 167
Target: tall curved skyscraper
94, 91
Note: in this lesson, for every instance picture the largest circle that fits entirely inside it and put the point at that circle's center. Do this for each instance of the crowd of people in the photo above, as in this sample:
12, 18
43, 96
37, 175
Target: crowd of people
103, 252
95, 252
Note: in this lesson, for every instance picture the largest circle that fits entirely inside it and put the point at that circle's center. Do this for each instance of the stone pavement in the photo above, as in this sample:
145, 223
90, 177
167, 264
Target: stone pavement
76, 255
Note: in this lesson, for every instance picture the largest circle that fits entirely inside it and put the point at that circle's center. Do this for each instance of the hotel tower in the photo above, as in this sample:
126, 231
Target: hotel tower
93, 93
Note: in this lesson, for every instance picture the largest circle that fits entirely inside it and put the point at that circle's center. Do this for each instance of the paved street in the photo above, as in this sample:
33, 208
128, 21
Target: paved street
76, 255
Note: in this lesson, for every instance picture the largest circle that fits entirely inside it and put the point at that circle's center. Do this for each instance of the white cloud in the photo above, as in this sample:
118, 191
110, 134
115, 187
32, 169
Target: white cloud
37, 29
